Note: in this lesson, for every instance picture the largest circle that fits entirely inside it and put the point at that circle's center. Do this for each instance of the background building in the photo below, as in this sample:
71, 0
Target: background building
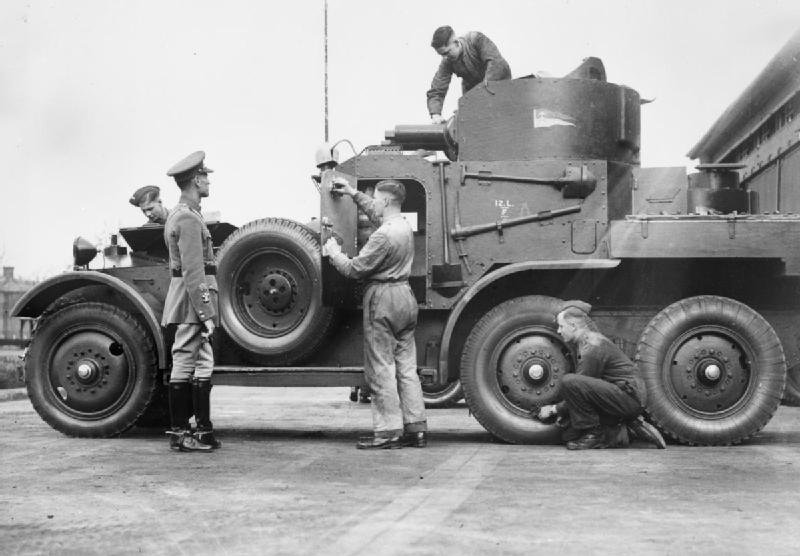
761, 130
11, 289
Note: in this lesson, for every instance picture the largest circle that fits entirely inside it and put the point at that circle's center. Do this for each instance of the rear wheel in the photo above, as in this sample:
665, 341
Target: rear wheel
270, 291
442, 396
512, 364
714, 370
90, 370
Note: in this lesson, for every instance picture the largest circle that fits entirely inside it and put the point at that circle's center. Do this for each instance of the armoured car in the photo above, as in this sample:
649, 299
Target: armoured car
532, 193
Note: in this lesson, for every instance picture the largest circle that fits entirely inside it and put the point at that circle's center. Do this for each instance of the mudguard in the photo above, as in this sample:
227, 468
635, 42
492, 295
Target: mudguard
488, 279
41, 296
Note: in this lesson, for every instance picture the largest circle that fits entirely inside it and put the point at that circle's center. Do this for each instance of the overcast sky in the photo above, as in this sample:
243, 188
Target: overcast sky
99, 97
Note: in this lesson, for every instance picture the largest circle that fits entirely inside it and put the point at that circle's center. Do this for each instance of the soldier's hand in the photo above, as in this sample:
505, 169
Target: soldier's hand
341, 185
547, 412
209, 328
331, 247
437, 119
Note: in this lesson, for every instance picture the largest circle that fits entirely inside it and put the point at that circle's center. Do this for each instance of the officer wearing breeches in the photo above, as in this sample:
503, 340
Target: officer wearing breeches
604, 399
191, 306
390, 317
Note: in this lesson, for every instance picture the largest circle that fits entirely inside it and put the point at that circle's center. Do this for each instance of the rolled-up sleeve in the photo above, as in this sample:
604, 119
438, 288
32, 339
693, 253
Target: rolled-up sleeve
366, 204
439, 86
370, 257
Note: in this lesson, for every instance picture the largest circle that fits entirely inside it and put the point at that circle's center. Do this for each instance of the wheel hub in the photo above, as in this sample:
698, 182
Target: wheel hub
710, 371
529, 369
87, 371
272, 294
535, 371
276, 293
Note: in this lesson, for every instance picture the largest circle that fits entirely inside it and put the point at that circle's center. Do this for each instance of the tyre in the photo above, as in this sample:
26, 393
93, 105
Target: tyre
512, 364
714, 370
90, 370
791, 396
157, 413
270, 291
442, 396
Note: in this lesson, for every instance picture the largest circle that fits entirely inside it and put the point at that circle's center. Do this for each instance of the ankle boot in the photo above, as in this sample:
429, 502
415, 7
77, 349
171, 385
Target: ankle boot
201, 398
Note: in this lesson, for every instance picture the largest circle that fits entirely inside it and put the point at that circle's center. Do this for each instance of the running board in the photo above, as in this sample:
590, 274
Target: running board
300, 376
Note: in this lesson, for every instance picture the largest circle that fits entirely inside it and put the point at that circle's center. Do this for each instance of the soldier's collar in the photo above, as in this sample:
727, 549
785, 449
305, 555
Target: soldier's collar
191, 203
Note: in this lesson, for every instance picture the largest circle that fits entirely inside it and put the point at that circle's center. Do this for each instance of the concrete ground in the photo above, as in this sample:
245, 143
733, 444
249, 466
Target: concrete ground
289, 481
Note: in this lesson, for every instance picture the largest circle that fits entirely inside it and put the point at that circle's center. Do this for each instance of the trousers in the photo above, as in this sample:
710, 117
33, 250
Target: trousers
192, 355
593, 402
390, 359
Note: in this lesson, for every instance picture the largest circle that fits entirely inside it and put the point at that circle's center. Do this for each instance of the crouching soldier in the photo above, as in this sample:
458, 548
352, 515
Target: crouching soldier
191, 306
604, 399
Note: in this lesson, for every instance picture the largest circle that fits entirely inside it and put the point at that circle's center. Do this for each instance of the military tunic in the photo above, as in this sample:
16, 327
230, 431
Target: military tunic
479, 59
390, 318
192, 295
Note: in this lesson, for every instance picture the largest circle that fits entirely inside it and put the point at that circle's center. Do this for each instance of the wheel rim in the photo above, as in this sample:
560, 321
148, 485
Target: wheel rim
271, 293
91, 374
529, 364
708, 371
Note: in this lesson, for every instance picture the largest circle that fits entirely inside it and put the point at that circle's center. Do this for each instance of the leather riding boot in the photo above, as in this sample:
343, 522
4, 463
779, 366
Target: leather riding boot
180, 409
201, 398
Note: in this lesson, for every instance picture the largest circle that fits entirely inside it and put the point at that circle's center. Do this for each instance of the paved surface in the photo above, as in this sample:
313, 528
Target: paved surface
289, 481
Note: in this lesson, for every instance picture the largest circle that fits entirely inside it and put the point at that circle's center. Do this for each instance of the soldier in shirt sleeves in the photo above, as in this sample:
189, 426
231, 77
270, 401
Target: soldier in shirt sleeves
390, 317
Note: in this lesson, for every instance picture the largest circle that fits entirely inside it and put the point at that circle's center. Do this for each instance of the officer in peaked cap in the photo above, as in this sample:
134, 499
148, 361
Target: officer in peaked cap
190, 306
148, 199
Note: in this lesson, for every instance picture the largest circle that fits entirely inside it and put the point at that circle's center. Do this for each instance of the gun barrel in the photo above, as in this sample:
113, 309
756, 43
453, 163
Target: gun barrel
423, 136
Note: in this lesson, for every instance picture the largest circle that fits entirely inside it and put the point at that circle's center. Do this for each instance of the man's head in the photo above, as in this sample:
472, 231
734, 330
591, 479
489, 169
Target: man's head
191, 172
573, 323
389, 194
148, 199
445, 42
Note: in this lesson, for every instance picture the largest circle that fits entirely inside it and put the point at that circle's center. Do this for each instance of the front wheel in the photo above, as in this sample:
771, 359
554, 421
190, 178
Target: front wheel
90, 370
512, 364
714, 370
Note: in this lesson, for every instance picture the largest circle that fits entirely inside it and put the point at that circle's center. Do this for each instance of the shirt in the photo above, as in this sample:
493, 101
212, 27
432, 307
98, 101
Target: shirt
389, 252
479, 59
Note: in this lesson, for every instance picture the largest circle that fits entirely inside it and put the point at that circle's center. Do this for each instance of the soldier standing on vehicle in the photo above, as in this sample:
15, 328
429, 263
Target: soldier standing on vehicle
148, 198
604, 398
191, 305
390, 317
473, 57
